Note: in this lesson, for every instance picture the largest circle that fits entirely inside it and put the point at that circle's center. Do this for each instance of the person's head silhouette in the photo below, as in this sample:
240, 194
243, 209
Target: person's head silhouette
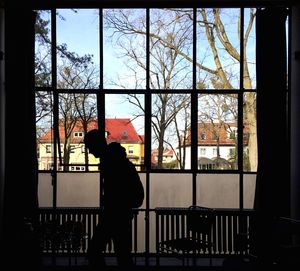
95, 143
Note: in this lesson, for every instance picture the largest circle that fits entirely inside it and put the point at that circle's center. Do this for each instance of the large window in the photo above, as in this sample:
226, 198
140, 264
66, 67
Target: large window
175, 86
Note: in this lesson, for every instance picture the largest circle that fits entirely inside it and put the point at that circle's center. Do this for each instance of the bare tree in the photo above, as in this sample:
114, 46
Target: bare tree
75, 110
217, 112
216, 31
168, 70
74, 72
171, 44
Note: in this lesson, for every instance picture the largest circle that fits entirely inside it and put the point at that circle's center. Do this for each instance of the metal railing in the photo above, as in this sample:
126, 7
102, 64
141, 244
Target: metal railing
58, 234
68, 230
230, 232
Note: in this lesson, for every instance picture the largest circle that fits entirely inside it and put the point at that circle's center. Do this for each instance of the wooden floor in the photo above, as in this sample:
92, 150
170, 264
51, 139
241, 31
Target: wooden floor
164, 264
152, 263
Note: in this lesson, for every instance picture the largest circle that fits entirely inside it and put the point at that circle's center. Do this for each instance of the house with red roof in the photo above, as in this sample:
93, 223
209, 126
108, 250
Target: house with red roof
216, 145
71, 143
168, 157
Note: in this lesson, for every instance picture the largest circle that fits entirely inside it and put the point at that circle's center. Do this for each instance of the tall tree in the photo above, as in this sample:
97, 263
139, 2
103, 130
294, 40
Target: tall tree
76, 110
73, 72
167, 70
171, 42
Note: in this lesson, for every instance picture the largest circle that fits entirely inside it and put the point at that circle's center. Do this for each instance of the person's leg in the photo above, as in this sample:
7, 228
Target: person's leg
96, 247
122, 244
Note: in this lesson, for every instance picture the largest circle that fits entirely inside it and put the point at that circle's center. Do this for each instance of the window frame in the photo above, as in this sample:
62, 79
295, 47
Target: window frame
194, 153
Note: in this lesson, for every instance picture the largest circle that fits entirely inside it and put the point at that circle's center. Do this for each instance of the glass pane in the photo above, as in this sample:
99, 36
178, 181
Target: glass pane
141, 221
170, 190
44, 129
152, 233
124, 48
250, 49
78, 190
171, 48
218, 190
218, 48
124, 123
249, 190
250, 132
42, 60
77, 48
217, 131
77, 115
45, 190
171, 118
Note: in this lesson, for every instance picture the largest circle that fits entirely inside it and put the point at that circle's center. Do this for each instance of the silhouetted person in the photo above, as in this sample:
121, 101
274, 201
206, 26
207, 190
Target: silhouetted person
115, 223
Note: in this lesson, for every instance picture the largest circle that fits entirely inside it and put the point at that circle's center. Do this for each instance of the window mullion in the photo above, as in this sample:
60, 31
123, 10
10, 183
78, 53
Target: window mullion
55, 104
240, 114
194, 114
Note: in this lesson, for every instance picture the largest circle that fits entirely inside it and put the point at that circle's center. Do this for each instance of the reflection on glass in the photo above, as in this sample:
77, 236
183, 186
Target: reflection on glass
217, 131
42, 54
77, 48
250, 132
249, 190
171, 48
78, 189
170, 190
124, 123
218, 190
218, 48
124, 46
249, 49
45, 190
171, 118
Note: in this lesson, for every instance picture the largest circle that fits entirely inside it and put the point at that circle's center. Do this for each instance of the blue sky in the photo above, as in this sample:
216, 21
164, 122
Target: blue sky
80, 31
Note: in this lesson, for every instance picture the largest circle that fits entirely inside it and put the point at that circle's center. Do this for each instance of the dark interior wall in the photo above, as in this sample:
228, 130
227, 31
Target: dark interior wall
2, 114
272, 195
19, 197
295, 113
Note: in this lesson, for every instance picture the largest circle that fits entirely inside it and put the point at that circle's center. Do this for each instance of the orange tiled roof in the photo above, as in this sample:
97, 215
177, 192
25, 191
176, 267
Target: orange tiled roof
120, 130
208, 129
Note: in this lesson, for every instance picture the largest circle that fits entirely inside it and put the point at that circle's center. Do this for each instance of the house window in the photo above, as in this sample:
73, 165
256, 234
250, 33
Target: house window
72, 148
202, 135
130, 149
232, 134
77, 168
215, 136
48, 148
78, 134
50, 166
202, 151
231, 152
124, 134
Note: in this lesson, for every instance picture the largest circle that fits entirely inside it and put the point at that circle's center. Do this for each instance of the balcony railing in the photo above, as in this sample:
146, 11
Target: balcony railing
68, 230
229, 235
